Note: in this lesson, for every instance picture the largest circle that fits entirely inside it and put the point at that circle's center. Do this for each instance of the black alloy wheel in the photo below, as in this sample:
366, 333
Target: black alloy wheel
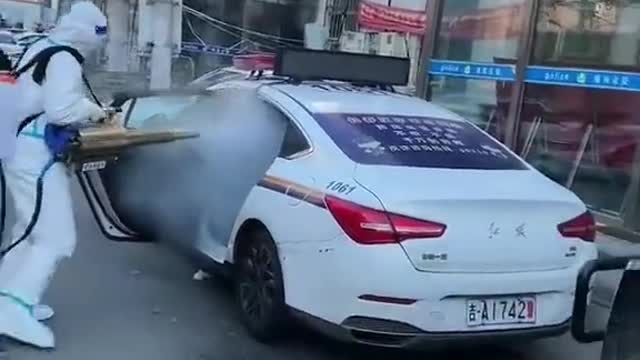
259, 286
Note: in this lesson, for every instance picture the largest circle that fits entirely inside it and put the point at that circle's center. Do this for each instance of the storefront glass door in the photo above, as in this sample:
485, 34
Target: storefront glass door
473, 67
580, 119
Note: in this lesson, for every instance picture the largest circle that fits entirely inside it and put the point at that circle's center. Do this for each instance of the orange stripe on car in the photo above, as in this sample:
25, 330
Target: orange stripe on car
294, 190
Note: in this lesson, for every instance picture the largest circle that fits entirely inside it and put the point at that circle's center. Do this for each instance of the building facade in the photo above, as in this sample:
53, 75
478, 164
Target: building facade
558, 81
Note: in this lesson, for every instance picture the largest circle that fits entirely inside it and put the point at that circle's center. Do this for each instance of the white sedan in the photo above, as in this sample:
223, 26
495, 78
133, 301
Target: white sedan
384, 219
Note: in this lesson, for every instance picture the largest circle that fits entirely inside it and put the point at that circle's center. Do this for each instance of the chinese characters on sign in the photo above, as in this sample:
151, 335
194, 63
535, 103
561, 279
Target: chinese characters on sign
583, 78
416, 134
473, 70
415, 141
539, 75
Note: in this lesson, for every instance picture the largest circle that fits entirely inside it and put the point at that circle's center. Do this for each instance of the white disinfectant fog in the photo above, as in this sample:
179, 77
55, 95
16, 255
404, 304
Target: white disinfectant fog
191, 192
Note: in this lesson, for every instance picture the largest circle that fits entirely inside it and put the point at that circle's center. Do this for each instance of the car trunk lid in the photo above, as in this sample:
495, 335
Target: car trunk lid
497, 221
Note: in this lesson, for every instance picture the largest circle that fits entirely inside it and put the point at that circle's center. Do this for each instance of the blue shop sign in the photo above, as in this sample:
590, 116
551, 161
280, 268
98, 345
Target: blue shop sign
583, 78
473, 70
203, 48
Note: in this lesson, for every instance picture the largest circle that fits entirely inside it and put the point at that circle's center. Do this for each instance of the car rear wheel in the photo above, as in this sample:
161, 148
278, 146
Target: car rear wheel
259, 286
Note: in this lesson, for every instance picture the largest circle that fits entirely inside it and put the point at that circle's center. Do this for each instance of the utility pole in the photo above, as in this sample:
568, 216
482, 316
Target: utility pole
163, 27
117, 49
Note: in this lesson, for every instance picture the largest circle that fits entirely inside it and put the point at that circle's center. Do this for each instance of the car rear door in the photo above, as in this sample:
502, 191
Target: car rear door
188, 192
136, 109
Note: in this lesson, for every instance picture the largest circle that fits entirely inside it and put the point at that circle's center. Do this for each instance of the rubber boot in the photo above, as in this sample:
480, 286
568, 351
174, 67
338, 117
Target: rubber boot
23, 291
42, 312
16, 322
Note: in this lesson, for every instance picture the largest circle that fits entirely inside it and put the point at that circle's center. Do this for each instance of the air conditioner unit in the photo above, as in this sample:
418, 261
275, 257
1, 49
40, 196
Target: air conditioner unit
392, 44
355, 42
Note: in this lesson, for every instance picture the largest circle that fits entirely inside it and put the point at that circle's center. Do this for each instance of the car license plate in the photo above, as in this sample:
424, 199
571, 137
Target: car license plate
503, 310
94, 165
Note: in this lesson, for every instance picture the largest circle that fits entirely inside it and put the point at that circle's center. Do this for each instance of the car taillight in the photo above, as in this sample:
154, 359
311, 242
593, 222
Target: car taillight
582, 227
370, 226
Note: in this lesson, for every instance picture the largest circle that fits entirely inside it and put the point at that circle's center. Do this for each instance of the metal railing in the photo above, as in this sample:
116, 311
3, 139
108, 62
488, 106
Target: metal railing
341, 15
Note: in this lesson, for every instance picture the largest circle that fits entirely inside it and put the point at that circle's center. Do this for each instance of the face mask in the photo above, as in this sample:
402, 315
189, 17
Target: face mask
101, 30
102, 34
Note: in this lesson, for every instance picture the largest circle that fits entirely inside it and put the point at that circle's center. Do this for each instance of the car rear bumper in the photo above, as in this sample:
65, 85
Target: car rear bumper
330, 283
393, 334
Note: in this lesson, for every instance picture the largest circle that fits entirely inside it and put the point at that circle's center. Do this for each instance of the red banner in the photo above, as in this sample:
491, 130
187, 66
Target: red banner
499, 23
388, 18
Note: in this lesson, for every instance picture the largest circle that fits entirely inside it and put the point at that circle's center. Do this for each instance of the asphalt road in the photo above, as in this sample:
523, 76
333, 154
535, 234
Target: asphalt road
139, 302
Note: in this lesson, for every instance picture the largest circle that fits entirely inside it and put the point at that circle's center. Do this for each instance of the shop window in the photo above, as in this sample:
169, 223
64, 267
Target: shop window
585, 139
474, 62
579, 120
588, 33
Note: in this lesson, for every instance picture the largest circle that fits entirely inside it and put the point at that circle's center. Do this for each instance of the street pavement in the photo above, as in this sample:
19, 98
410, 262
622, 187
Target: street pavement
140, 302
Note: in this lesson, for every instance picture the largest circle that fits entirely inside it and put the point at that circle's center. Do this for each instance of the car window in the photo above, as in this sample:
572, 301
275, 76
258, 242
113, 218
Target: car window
294, 141
416, 141
166, 107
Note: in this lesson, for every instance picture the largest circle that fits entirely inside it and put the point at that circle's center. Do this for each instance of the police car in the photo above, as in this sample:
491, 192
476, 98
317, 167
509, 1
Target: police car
384, 219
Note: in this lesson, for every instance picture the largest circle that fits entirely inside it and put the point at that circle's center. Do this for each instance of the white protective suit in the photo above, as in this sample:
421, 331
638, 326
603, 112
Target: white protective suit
25, 272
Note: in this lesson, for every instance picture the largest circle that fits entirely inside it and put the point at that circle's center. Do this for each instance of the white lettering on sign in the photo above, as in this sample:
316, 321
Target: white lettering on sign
413, 134
354, 120
624, 81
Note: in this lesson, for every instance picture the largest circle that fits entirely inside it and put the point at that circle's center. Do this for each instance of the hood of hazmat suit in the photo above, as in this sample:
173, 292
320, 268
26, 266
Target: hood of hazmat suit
84, 28
26, 270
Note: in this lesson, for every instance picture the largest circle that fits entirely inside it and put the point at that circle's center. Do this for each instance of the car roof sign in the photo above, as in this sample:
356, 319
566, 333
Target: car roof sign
305, 64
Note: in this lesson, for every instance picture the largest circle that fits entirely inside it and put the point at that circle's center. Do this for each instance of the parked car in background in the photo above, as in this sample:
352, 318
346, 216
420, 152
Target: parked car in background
9, 45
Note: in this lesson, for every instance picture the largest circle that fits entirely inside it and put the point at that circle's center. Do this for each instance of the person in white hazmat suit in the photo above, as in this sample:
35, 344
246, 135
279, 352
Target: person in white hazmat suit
25, 272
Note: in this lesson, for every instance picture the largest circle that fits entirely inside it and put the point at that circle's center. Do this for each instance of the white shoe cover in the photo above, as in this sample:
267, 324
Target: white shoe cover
42, 312
16, 322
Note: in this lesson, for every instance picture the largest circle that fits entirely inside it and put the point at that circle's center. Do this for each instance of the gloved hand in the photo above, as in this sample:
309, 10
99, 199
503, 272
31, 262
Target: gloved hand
96, 113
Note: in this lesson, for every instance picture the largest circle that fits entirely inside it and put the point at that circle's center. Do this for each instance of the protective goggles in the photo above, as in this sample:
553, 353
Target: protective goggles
101, 30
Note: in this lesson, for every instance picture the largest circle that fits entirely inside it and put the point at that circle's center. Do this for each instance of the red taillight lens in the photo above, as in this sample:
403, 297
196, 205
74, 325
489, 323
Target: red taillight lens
583, 227
370, 226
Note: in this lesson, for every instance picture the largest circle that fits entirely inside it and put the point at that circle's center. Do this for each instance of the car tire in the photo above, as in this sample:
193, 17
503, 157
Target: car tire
259, 287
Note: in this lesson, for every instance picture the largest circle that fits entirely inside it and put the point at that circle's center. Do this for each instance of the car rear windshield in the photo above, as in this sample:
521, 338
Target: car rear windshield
416, 141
